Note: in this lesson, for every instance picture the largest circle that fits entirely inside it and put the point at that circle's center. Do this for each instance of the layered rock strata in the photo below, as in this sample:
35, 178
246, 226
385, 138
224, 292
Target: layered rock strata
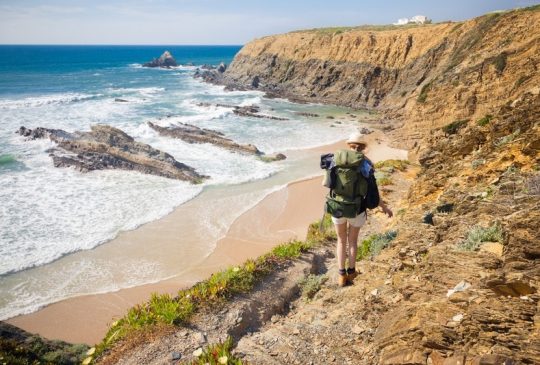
106, 147
425, 75
193, 134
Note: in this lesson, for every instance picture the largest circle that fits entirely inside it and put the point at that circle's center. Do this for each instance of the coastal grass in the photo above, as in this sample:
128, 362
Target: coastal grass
391, 165
455, 126
165, 310
374, 244
422, 97
484, 120
477, 235
311, 284
216, 354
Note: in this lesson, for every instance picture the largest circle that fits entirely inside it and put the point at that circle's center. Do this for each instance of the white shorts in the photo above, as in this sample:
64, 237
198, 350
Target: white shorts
357, 222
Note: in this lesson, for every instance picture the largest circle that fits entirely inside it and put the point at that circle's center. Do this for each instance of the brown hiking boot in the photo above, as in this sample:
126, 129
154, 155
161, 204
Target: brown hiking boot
342, 280
351, 276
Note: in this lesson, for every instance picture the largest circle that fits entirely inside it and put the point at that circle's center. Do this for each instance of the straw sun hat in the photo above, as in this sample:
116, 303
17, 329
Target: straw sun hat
357, 138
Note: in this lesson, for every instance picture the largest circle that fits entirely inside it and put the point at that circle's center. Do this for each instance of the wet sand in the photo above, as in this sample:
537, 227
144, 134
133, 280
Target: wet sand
281, 216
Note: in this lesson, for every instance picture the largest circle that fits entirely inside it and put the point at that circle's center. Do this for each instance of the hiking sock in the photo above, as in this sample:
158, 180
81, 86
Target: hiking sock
351, 271
342, 271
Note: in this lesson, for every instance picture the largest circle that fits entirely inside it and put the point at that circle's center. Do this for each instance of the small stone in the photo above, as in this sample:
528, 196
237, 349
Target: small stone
357, 330
524, 297
223, 360
375, 292
296, 331
457, 318
199, 337
388, 282
198, 352
176, 355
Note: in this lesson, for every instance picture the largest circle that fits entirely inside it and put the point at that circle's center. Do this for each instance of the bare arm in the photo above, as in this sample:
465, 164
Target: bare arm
385, 208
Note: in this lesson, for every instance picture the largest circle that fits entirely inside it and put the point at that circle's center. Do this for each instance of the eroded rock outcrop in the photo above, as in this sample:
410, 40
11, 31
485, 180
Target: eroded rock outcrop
106, 147
194, 134
166, 60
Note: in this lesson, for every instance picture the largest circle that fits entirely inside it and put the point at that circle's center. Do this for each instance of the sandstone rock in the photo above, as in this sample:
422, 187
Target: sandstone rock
106, 147
166, 60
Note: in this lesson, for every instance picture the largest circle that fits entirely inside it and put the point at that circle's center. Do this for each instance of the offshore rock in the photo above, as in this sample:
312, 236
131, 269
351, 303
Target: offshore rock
166, 60
194, 134
106, 147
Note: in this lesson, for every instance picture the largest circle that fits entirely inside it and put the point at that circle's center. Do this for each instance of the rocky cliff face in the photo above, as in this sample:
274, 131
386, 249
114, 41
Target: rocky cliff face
425, 76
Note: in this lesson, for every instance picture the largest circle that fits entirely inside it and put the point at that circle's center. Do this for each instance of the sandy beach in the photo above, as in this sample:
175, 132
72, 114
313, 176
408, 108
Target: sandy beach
281, 216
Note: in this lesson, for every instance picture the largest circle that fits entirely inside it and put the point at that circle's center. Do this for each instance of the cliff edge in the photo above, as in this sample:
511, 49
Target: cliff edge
424, 76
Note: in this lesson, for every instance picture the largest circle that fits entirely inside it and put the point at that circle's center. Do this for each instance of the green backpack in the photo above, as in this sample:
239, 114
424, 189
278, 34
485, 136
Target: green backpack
349, 186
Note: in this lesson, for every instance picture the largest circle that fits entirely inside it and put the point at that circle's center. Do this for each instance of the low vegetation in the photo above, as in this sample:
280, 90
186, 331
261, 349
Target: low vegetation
217, 354
165, 310
507, 139
500, 62
311, 285
35, 350
477, 235
374, 244
422, 97
455, 126
391, 165
484, 120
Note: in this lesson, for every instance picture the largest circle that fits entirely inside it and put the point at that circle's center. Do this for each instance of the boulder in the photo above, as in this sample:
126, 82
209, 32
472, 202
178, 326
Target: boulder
166, 60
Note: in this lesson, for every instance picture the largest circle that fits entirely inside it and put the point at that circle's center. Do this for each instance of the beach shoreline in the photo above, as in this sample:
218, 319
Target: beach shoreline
280, 216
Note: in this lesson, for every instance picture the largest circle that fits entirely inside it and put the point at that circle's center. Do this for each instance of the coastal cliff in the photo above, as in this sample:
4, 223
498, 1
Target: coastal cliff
424, 76
457, 281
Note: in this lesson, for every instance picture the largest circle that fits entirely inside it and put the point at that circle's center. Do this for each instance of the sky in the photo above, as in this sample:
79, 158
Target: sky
172, 22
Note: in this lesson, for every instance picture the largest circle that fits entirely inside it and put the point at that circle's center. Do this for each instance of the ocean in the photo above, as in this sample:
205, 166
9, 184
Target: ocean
48, 213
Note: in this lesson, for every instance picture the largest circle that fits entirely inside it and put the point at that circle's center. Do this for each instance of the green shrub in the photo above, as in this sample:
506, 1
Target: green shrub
477, 163
500, 62
311, 285
400, 165
374, 244
455, 126
507, 139
521, 80
422, 97
479, 234
218, 354
484, 120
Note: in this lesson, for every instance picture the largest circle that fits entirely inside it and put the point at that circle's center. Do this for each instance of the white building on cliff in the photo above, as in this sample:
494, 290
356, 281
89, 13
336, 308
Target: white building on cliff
417, 19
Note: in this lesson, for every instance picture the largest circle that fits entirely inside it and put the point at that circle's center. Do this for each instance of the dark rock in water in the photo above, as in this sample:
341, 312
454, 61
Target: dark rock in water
329, 117
222, 68
118, 100
106, 147
194, 134
305, 114
274, 157
245, 111
365, 130
255, 82
252, 111
166, 60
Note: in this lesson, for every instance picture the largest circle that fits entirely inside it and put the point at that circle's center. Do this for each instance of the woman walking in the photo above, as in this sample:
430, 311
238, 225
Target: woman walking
345, 204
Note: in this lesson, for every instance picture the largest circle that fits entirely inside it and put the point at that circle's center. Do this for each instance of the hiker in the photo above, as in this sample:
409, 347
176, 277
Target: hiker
347, 202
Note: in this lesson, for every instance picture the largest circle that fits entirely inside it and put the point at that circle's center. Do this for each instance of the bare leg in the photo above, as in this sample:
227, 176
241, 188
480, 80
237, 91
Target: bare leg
353, 245
341, 230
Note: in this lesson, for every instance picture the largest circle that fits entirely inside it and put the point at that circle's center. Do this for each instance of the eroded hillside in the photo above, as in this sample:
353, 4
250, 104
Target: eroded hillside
425, 76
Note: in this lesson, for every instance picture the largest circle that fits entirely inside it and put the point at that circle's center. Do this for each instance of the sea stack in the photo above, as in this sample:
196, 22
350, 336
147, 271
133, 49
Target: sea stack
166, 60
